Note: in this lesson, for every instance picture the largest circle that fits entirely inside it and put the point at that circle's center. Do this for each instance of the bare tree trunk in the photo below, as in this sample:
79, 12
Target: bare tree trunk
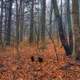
31, 38
8, 37
69, 25
61, 30
5, 22
76, 32
17, 22
50, 22
1, 18
21, 19
43, 14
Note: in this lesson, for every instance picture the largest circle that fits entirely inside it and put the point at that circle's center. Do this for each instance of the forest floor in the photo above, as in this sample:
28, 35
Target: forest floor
53, 66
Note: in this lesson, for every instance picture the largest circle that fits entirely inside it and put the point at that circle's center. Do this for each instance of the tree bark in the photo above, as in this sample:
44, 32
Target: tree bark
76, 30
1, 18
61, 30
8, 37
43, 20
31, 38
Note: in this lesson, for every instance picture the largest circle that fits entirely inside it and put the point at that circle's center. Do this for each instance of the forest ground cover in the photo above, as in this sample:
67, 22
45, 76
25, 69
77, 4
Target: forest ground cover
54, 66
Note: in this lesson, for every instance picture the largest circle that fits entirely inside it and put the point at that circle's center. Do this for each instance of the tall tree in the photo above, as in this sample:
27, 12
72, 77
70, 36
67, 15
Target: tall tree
31, 38
1, 19
17, 22
69, 24
21, 19
61, 30
50, 19
43, 14
76, 30
5, 22
8, 37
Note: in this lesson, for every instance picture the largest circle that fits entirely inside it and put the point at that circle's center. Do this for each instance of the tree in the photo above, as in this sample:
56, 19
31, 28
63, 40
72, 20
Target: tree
8, 36
43, 20
5, 22
17, 22
21, 19
31, 38
50, 22
61, 30
1, 19
75, 27
69, 25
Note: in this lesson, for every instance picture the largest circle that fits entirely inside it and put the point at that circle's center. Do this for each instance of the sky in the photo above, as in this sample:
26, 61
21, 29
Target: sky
47, 2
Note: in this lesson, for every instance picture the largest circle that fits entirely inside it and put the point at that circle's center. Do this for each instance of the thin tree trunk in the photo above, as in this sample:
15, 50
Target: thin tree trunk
50, 22
43, 14
21, 19
5, 23
1, 18
8, 37
31, 38
69, 25
17, 22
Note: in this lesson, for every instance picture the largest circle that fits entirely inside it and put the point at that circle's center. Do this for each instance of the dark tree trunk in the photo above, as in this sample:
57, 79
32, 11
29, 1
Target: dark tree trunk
61, 30
8, 37
43, 14
50, 22
69, 25
21, 19
1, 18
17, 22
31, 38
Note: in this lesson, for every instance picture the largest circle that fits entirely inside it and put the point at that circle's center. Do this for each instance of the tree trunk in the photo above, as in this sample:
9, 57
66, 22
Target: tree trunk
43, 14
21, 19
31, 38
1, 18
8, 37
17, 22
61, 30
69, 25
76, 30
50, 19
